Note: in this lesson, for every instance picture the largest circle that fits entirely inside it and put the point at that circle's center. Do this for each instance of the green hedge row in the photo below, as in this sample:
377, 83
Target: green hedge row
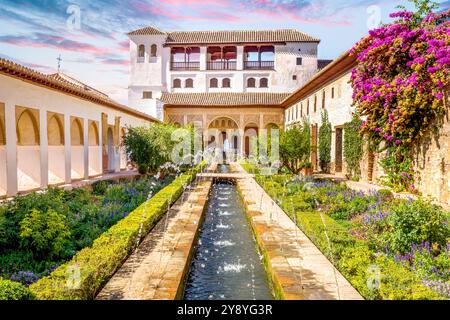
84, 276
10, 290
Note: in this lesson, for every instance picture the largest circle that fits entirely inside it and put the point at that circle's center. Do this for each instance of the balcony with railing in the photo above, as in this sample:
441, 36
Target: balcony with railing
259, 65
184, 66
221, 65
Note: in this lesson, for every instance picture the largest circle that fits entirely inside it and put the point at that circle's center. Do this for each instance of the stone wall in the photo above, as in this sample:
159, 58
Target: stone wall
432, 163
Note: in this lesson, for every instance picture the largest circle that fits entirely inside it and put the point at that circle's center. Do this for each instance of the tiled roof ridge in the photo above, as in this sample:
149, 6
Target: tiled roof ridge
224, 98
281, 33
16, 70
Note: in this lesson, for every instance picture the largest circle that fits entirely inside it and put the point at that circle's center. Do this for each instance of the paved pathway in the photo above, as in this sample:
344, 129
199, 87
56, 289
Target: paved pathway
156, 270
298, 267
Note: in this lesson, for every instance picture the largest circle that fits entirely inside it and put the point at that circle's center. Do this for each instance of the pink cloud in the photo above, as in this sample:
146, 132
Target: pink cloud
55, 42
116, 62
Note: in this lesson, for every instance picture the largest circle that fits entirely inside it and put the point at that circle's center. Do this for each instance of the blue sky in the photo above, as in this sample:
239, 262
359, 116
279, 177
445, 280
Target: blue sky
35, 33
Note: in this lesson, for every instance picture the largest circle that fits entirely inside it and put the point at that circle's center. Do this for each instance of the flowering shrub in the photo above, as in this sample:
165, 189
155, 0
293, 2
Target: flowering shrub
406, 239
401, 80
39, 231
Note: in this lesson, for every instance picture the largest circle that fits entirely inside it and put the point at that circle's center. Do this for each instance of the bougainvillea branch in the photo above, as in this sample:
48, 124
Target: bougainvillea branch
401, 80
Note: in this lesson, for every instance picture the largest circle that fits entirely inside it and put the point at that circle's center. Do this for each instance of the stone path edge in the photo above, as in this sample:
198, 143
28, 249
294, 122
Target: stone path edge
187, 267
275, 286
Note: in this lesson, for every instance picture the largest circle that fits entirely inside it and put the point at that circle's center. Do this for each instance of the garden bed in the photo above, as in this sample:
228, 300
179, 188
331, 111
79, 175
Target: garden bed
388, 248
83, 277
39, 232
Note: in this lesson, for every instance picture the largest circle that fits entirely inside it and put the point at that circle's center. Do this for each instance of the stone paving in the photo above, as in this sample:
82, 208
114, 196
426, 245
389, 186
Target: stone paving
298, 269
156, 270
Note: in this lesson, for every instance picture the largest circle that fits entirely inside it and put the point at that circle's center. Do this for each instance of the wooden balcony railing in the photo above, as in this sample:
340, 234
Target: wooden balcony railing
259, 65
185, 66
221, 65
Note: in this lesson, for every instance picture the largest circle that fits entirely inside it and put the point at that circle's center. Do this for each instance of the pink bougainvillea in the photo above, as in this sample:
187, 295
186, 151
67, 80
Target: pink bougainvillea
401, 80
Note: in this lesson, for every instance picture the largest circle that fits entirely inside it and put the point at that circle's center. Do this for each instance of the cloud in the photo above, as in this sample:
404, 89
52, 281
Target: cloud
39, 40
36, 66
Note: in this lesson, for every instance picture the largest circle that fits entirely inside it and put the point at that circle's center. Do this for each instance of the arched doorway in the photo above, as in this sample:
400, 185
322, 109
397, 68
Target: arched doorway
28, 149
94, 149
77, 148
223, 133
111, 153
250, 140
56, 154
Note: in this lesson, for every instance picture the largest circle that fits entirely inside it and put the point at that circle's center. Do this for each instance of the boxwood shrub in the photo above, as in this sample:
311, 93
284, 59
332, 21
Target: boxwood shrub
10, 290
83, 277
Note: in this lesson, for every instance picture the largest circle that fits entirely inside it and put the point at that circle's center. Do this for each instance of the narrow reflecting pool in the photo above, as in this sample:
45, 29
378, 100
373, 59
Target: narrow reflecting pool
226, 264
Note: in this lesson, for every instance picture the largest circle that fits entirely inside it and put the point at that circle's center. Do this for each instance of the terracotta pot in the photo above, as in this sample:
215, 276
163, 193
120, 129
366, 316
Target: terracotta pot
308, 171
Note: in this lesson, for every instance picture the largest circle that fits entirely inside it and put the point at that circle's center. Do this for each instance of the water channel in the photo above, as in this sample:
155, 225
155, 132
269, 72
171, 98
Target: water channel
226, 264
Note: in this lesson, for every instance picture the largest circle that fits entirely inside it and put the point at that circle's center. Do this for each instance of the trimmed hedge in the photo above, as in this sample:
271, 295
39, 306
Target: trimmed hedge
84, 276
10, 290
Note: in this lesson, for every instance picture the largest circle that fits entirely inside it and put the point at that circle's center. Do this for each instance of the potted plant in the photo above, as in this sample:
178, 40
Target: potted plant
307, 169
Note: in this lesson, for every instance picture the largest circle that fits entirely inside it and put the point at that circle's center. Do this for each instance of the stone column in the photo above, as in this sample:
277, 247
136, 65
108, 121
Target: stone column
43, 133
203, 58
100, 144
11, 149
241, 142
116, 144
86, 148
240, 58
104, 139
67, 149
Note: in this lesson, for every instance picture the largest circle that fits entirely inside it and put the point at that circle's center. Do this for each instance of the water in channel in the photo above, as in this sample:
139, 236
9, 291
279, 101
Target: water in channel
226, 264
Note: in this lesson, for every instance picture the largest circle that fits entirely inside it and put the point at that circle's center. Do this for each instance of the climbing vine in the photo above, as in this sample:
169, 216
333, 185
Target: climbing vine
353, 147
401, 82
325, 143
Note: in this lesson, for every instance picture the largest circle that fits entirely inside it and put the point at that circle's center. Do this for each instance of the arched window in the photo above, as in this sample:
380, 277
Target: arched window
189, 83
55, 131
27, 129
214, 83
153, 50
93, 134
177, 83
76, 133
264, 83
251, 83
141, 51
226, 83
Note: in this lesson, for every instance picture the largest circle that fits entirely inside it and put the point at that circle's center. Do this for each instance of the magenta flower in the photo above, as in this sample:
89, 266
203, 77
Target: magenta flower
439, 95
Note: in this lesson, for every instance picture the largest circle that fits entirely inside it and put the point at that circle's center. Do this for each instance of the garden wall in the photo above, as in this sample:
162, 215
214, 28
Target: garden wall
432, 163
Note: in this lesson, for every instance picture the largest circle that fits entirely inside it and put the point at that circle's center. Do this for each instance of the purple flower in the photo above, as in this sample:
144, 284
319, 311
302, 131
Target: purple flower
439, 95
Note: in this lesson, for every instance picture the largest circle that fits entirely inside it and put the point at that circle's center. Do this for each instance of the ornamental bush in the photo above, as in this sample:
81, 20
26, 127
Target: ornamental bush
353, 147
415, 223
295, 147
149, 147
44, 233
402, 78
10, 290
325, 143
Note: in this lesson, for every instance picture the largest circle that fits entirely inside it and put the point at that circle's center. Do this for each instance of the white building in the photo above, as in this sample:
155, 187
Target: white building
55, 130
269, 61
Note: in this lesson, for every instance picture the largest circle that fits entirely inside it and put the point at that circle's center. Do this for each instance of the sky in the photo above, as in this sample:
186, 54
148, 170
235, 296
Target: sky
90, 35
